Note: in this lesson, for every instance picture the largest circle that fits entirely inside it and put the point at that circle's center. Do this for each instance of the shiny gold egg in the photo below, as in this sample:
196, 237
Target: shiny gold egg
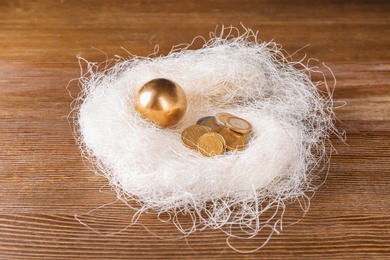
162, 101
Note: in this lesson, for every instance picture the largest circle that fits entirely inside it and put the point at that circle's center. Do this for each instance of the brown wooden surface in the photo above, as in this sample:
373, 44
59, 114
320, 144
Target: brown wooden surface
44, 182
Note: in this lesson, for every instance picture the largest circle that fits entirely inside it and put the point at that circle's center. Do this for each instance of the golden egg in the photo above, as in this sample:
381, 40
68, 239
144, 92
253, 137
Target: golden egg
162, 101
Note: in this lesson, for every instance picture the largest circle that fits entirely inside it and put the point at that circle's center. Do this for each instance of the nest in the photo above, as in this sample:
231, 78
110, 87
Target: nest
291, 119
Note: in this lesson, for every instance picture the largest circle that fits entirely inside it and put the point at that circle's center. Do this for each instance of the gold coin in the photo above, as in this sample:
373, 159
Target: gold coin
238, 124
234, 140
220, 137
220, 118
207, 121
211, 144
191, 134
217, 128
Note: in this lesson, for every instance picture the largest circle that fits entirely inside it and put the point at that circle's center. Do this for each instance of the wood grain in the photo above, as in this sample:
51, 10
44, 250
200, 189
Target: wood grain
44, 181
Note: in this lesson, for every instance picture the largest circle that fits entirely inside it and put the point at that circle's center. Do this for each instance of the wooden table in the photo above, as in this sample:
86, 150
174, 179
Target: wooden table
44, 181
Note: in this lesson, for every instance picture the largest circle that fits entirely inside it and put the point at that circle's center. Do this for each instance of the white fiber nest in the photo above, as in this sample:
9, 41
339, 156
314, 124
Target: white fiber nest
238, 74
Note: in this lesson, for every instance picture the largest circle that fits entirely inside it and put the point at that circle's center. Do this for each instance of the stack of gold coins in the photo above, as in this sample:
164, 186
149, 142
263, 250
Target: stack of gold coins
214, 135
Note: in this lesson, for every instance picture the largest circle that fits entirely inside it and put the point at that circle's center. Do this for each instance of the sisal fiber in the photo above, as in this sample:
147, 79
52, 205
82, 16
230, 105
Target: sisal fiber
235, 73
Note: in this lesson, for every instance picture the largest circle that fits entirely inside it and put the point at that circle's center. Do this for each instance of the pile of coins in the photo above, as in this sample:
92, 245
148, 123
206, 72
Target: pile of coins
213, 135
